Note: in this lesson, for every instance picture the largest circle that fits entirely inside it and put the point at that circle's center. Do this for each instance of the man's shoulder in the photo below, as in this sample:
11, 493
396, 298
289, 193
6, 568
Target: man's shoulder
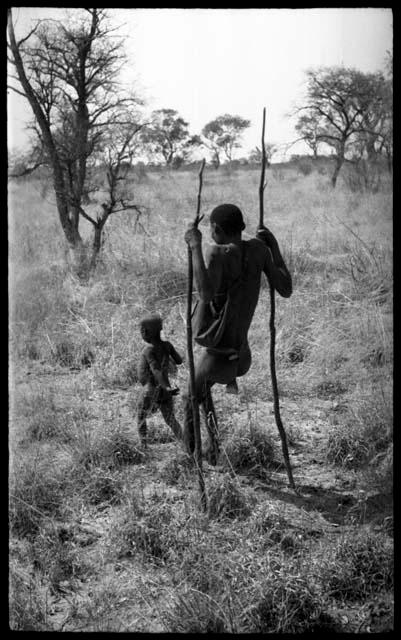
222, 250
217, 253
254, 243
256, 246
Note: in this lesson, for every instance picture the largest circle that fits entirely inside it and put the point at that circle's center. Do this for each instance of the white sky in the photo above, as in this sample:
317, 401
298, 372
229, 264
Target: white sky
207, 62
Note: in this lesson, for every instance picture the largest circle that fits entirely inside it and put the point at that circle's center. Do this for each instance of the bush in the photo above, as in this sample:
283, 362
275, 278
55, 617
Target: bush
100, 484
196, 612
248, 450
366, 431
57, 557
305, 167
151, 530
228, 500
362, 564
37, 492
178, 469
111, 449
73, 353
290, 604
27, 604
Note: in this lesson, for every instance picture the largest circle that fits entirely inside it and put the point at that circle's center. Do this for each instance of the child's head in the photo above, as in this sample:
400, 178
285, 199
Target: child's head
150, 327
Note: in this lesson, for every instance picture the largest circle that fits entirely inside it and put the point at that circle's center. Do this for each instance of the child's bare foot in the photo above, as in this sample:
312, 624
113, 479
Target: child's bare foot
232, 387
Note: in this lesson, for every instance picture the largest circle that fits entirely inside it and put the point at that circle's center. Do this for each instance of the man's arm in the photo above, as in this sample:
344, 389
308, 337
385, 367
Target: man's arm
207, 278
275, 267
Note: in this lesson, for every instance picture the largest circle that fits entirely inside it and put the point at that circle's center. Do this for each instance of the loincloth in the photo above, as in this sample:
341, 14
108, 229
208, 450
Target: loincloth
226, 352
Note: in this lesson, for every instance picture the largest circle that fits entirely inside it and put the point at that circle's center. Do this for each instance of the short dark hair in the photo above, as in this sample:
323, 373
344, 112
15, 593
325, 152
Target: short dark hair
228, 217
152, 322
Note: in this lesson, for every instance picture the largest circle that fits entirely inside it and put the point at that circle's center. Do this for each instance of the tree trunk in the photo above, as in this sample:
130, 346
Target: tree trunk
69, 223
70, 229
216, 160
337, 168
96, 246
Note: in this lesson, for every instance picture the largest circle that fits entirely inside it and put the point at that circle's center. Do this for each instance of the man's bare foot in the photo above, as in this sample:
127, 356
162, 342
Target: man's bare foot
232, 387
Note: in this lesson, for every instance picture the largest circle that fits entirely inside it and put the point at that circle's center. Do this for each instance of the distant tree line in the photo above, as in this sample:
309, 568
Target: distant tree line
89, 130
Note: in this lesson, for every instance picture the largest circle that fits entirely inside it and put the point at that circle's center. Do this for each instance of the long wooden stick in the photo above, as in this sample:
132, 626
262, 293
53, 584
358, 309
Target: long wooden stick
194, 400
277, 416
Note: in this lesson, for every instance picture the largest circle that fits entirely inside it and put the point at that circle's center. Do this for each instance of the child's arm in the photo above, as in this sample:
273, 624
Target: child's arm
143, 373
154, 365
174, 354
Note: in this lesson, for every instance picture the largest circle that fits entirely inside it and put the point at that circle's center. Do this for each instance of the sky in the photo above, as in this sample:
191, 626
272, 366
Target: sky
209, 62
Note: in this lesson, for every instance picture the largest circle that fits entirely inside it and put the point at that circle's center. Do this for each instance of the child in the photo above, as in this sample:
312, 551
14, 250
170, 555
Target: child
153, 372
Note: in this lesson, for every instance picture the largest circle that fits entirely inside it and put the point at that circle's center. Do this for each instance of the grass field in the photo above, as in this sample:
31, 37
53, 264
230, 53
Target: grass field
106, 538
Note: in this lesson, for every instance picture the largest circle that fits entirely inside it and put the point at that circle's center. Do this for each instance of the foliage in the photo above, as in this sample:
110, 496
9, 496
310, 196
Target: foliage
250, 449
255, 156
37, 491
362, 563
69, 74
27, 604
228, 500
222, 135
167, 135
345, 107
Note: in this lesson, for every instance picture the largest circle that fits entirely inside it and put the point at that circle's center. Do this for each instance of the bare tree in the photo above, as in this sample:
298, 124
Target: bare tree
69, 72
341, 105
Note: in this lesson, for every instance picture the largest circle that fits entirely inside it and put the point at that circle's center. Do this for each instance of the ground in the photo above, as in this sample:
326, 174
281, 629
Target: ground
326, 505
104, 536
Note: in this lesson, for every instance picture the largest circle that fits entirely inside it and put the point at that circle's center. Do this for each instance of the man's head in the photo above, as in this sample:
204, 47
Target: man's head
150, 327
227, 222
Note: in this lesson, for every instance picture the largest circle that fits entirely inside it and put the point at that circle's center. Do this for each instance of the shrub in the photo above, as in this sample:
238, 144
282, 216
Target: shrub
250, 450
73, 353
159, 432
289, 604
100, 484
27, 604
152, 531
111, 448
362, 564
178, 469
37, 491
366, 431
44, 420
195, 612
57, 557
304, 166
228, 500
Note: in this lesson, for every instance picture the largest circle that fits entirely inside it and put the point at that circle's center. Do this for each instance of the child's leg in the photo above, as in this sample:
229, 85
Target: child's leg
142, 412
167, 411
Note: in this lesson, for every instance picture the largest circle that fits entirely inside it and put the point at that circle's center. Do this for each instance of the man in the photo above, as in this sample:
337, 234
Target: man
228, 284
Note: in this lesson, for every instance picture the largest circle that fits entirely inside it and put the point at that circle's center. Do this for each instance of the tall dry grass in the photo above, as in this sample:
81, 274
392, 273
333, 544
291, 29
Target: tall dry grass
334, 343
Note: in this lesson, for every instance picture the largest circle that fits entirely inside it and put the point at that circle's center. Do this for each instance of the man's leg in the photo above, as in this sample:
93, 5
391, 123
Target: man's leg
232, 387
209, 369
211, 424
167, 411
